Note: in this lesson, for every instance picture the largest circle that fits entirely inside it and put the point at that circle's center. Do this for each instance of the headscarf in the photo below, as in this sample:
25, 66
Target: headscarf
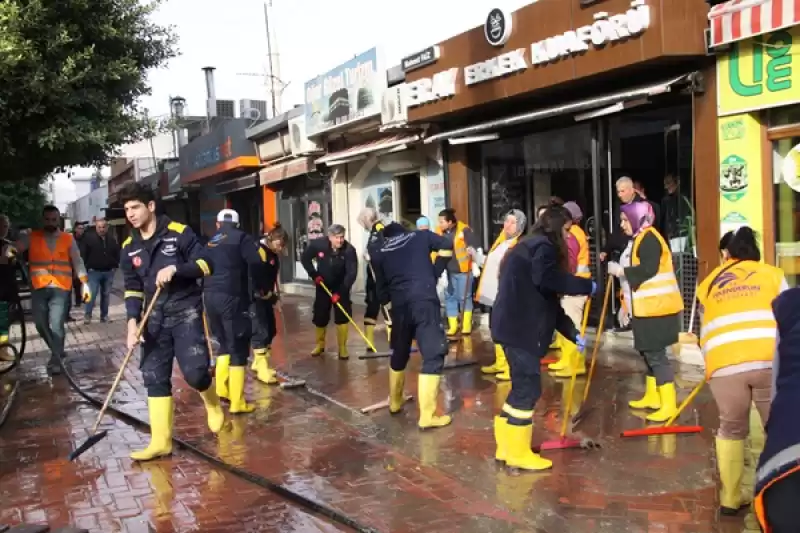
640, 215
521, 219
574, 210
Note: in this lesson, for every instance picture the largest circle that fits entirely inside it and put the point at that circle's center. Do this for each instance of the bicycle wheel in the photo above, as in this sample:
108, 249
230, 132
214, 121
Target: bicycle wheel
11, 353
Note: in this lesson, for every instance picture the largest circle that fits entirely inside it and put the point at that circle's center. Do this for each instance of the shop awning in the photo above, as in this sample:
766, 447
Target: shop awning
739, 19
359, 151
583, 109
286, 170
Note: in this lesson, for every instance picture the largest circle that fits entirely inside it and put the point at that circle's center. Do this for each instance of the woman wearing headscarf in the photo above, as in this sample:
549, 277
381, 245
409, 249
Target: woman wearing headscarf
649, 282
513, 226
738, 340
533, 276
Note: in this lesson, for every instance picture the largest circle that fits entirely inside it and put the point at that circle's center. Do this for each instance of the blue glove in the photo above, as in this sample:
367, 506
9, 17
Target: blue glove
581, 342
594, 288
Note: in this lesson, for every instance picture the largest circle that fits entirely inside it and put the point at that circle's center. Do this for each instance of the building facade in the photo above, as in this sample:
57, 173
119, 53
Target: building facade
759, 124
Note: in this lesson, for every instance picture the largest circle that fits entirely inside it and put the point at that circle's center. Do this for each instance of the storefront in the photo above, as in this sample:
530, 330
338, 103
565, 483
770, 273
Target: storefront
759, 125
219, 170
525, 111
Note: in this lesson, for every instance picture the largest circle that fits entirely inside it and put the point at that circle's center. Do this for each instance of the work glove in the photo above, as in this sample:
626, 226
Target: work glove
318, 280
9, 252
615, 269
594, 288
87, 293
335, 298
480, 258
476, 270
581, 342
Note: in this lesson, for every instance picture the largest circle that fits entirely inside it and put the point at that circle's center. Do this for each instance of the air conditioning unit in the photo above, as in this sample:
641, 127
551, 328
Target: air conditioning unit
394, 110
253, 109
226, 109
298, 139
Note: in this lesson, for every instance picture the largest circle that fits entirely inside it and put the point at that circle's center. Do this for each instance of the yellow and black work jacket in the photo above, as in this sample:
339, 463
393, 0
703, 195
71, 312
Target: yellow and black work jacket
658, 295
582, 270
738, 326
172, 244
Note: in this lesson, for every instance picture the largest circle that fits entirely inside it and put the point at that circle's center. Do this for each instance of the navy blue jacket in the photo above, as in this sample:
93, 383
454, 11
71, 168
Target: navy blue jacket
338, 269
264, 275
528, 308
782, 448
172, 244
402, 263
232, 252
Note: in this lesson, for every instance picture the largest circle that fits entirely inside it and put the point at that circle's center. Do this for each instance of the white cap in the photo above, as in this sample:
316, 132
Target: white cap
228, 215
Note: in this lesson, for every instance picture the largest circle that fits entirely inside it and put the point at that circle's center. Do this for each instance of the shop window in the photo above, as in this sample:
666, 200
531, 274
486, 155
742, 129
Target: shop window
786, 198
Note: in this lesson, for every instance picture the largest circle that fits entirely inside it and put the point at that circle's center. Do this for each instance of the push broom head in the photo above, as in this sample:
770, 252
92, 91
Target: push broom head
88, 443
566, 443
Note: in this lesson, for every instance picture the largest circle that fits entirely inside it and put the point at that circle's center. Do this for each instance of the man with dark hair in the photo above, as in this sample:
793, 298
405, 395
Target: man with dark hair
458, 269
100, 252
334, 263
164, 254
54, 260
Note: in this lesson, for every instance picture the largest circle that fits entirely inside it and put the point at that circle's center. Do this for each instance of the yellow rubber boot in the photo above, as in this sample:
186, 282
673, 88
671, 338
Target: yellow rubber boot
264, 373
466, 326
505, 373
651, 398
214, 412
563, 360
256, 353
5, 353
238, 403
730, 461
161, 420
452, 326
428, 391
221, 372
369, 332
500, 364
556, 344
669, 404
397, 380
576, 361
341, 340
519, 453
500, 425
320, 347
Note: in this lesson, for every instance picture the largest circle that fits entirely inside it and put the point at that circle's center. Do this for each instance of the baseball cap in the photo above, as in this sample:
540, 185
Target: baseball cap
228, 215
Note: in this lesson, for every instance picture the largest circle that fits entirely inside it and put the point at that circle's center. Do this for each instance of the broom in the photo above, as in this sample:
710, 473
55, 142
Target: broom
687, 348
96, 436
668, 428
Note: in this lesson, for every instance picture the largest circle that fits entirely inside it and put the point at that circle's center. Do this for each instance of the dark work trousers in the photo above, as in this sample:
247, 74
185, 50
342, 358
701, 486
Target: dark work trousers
262, 314
373, 307
322, 309
658, 366
526, 383
175, 335
421, 320
229, 322
780, 504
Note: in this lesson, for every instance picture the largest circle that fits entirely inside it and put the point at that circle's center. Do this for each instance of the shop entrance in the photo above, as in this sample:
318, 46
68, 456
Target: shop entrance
248, 204
409, 200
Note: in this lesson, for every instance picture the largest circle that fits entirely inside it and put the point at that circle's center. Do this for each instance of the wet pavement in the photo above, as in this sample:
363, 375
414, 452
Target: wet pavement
378, 469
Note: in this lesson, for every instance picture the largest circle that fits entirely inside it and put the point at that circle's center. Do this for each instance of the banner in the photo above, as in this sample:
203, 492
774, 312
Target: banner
759, 73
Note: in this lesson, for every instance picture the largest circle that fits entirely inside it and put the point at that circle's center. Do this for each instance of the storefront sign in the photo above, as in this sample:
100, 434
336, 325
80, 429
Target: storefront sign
225, 148
502, 65
497, 27
759, 73
350, 92
740, 177
605, 30
426, 57
422, 91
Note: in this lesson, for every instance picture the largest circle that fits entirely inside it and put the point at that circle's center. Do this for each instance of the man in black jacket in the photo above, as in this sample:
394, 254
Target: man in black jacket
334, 263
100, 252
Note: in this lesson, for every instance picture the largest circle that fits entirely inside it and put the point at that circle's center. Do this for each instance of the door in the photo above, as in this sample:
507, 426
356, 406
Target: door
409, 201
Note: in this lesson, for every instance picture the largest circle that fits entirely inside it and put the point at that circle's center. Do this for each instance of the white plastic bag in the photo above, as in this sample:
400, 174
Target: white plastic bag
441, 286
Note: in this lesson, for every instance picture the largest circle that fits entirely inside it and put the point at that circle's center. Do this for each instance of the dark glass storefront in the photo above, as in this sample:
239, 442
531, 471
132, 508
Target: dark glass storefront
581, 163
305, 210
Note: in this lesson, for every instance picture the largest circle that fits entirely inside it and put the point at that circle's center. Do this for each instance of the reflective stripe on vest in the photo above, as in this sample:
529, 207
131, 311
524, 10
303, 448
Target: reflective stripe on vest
583, 270
659, 295
459, 247
738, 324
50, 267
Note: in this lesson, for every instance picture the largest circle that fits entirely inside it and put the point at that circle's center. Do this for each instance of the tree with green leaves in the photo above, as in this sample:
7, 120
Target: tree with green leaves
22, 202
71, 75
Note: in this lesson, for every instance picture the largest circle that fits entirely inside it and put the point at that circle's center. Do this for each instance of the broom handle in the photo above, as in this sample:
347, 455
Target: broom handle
574, 377
114, 386
686, 402
349, 318
598, 336
694, 310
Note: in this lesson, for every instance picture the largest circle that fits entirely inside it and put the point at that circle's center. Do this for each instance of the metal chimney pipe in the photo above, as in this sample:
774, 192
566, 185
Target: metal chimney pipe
211, 92
178, 105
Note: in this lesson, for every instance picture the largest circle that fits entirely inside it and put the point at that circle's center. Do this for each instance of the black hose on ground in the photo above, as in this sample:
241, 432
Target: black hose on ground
263, 482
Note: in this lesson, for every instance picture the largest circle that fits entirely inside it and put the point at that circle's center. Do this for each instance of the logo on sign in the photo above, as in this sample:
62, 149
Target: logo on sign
497, 27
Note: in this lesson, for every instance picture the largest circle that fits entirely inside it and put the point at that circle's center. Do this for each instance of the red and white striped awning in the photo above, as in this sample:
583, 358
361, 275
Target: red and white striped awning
740, 19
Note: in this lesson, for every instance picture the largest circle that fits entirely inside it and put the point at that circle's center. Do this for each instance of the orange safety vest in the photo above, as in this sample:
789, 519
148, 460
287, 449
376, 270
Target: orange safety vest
500, 240
459, 247
659, 295
50, 267
738, 324
583, 270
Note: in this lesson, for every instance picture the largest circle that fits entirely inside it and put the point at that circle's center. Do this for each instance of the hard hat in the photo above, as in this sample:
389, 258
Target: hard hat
228, 215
